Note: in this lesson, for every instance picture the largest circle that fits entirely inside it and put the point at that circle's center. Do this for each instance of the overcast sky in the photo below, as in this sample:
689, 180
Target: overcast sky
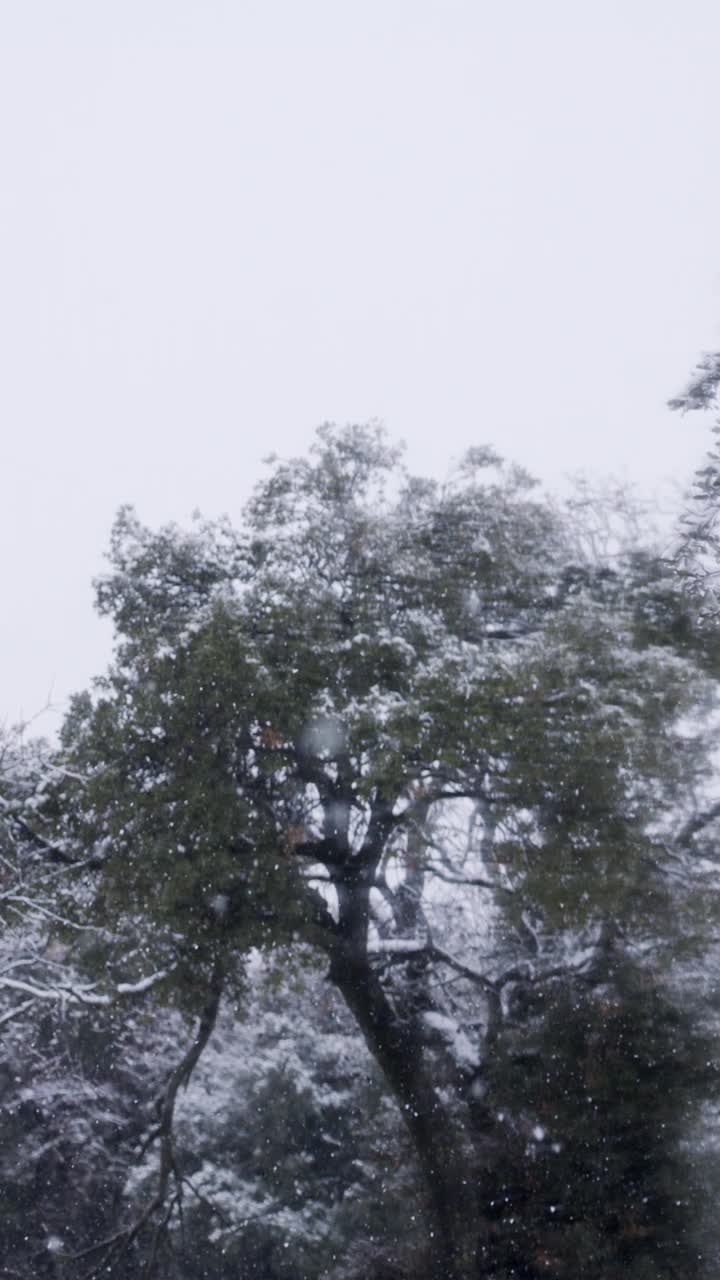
224, 223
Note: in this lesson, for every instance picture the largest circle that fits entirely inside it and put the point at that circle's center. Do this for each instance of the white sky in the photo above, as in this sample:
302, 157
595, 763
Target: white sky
224, 223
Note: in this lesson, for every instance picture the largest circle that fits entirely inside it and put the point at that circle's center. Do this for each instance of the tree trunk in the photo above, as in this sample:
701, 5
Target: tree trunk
453, 1220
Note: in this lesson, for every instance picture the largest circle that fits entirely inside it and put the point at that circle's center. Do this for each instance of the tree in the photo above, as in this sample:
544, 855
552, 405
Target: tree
383, 713
699, 545
79, 1066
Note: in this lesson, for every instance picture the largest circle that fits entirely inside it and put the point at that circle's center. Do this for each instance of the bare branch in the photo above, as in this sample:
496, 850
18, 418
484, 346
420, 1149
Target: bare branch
474, 882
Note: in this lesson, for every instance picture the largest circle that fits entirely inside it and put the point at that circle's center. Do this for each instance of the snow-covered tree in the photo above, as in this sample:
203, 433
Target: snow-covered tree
698, 552
402, 723
80, 1063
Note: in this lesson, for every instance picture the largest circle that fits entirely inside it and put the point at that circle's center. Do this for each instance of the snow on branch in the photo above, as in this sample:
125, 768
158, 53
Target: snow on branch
168, 1198
86, 993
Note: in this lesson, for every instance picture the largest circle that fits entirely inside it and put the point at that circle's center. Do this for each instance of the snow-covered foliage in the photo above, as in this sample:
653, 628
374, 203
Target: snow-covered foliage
275, 1165
698, 551
427, 734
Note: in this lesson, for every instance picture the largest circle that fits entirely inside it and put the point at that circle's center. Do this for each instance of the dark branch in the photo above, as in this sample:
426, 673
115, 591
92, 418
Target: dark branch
52, 852
474, 882
115, 1247
696, 824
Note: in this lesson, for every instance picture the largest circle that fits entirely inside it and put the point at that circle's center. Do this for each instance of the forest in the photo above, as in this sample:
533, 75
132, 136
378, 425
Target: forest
363, 922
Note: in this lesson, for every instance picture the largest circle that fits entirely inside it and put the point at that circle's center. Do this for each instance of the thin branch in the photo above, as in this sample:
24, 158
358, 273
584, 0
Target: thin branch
17, 1012
34, 905
400, 950
694, 825
474, 882
86, 994
52, 851
114, 1247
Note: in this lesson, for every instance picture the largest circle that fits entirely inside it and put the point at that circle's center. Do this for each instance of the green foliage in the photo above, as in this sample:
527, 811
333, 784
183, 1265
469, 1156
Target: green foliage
596, 1090
430, 636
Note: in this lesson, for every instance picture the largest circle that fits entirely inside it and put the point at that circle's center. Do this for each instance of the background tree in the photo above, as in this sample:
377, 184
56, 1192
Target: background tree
699, 546
80, 1062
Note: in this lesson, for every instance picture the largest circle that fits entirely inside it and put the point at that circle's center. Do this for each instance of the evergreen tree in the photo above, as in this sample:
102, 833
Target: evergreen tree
400, 722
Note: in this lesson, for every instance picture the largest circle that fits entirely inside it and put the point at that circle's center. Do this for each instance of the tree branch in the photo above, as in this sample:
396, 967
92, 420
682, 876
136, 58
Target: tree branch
114, 1247
694, 825
53, 852
86, 994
